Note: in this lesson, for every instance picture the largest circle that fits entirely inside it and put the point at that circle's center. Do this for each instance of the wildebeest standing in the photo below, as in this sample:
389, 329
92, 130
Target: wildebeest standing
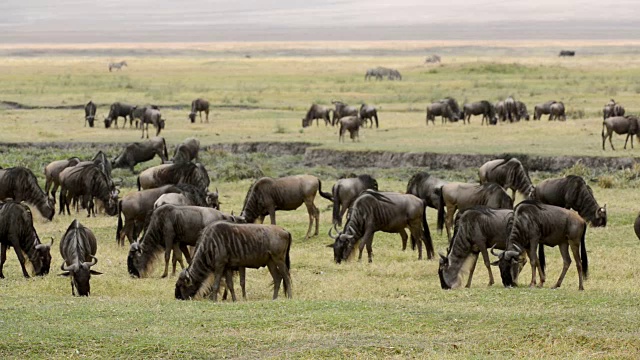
187, 150
267, 195
455, 108
89, 113
557, 111
151, 116
620, 125
117, 110
78, 249
543, 109
566, 53
20, 184
426, 187
88, 182
17, 231
536, 224
346, 191
511, 109
522, 112
178, 173
636, 226
224, 246
117, 65
352, 125
341, 110
388, 212
199, 105
572, 192
52, 174
433, 59
484, 108
440, 109
140, 152
508, 173
317, 112
370, 113
373, 73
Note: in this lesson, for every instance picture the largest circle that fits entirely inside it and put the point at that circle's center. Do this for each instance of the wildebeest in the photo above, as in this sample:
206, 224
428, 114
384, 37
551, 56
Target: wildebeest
187, 150
426, 187
535, 224
373, 73
151, 116
511, 109
636, 226
224, 246
394, 74
346, 191
267, 195
567, 53
484, 108
477, 229
352, 125
341, 110
433, 59
178, 173
17, 231
508, 173
52, 174
211, 200
140, 152
543, 109
117, 65
20, 184
612, 109
117, 110
89, 113
440, 109
199, 105
370, 113
317, 112
388, 212
501, 113
461, 196
88, 182
620, 125
572, 192
522, 112
557, 111
78, 249
137, 113
171, 225
455, 108
380, 72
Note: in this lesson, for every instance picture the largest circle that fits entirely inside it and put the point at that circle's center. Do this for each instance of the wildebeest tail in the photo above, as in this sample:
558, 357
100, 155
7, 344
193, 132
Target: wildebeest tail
541, 258
119, 229
336, 205
138, 182
287, 259
583, 253
322, 193
427, 233
164, 145
440, 212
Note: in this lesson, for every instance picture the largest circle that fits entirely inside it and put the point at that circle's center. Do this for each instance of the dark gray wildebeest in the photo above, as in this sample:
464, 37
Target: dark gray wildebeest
612, 109
151, 116
368, 113
440, 109
426, 187
535, 224
199, 105
342, 110
508, 173
484, 108
477, 229
267, 195
117, 110
117, 65
78, 249
140, 152
317, 112
542, 109
171, 228
137, 113
522, 112
89, 113
178, 173
224, 247
52, 174
352, 125
455, 108
373, 73
136, 208
620, 125
567, 53
88, 182
187, 151
462, 196
346, 191
557, 111
572, 192
382, 211
433, 59
511, 109
17, 231
20, 184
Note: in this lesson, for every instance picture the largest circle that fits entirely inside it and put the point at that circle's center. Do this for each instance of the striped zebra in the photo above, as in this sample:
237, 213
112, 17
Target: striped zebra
117, 65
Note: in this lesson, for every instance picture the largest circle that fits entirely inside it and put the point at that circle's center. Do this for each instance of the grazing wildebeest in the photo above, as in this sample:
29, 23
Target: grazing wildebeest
455, 108
78, 249
500, 111
52, 174
224, 246
572, 192
17, 231
535, 224
351, 124
440, 109
179, 173
542, 109
117, 65
484, 108
199, 105
522, 112
116, 110
477, 229
171, 226
511, 109
620, 125
342, 110
394, 74
151, 116
346, 191
89, 113
433, 59
567, 53
140, 152
267, 195
388, 212
461, 196
508, 173
426, 187
20, 184
88, 182
187, 150
368, 113
557, 111
317, 112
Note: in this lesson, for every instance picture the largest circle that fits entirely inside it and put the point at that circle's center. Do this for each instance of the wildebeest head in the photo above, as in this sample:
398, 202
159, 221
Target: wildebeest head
161, 123
342, 246
510, 263
601, 217
442, 268
90, 120
80, 275
49, 209
107, 123
44, 253
213, 199
185, 288
133, 259
192, 117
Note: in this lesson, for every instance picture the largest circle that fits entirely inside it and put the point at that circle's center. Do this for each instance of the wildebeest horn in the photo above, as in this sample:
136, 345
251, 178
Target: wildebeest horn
493, 251
93, 261
50, 245
66, 268
330, 230
444, 257
517, 248
510, 253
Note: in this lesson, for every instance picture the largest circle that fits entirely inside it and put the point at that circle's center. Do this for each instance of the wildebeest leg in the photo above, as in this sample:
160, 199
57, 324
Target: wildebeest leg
286, 278
513, 194
272, 216
184, 249
576, 256
449, 220
314, 213
625, 141
277, 278
21, 259
473, 268
207, 114
416, 236
566, 262
487, 264
243, 273
403, 235
228, 276
216, 281
127, 231
3, 258
610, 142
167, 256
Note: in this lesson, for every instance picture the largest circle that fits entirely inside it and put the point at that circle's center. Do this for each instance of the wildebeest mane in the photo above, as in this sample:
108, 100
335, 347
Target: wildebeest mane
196, 195
250, 201
368, 181
24, 186
415, 181
514, 173
188, 173
579, 196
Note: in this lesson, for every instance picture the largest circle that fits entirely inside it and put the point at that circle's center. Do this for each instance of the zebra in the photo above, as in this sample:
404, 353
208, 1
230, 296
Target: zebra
117, 65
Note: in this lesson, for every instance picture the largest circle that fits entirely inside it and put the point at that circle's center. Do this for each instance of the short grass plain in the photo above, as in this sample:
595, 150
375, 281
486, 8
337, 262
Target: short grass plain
392, 308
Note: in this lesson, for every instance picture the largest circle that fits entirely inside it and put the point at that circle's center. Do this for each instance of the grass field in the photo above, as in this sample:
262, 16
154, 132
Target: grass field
392, 308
